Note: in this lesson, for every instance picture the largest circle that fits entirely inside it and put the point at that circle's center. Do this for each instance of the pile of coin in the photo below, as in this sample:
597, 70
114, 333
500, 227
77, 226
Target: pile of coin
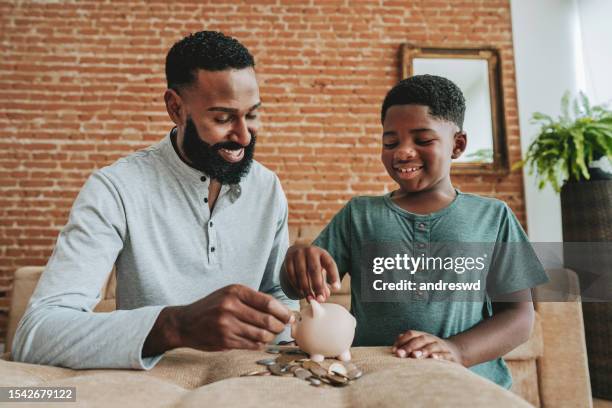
294, 362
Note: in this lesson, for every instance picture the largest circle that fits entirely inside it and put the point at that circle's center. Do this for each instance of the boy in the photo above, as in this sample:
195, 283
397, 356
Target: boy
422, 120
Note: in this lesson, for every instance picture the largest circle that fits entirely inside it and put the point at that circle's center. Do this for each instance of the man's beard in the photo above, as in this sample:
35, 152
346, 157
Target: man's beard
207, 159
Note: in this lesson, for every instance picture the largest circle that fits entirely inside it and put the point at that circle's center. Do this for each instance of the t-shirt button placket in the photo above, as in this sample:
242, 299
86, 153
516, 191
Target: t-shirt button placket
422, 295
211, 242
422, 236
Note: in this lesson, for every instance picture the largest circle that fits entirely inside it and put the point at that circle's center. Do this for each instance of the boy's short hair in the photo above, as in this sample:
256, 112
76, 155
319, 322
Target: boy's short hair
208, 50
444, 99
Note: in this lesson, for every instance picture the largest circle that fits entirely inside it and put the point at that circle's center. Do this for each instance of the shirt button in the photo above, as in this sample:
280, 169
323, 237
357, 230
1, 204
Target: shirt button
203, 178
421, 294
422, 226
212, 249
205, 199
211, 224
420, 245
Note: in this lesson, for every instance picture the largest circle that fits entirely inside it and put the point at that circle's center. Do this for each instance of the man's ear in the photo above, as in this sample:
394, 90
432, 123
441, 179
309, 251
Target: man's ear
459, 144
175, 106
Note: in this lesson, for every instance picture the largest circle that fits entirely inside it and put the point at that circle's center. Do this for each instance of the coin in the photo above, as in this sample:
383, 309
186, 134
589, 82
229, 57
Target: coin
266, 361
302, 374
314, 381
276, 369
318, 371
287, 358
354, 373
292, 361
324, 380
256, 373
308, 364
315, 368
337, 368
337, 380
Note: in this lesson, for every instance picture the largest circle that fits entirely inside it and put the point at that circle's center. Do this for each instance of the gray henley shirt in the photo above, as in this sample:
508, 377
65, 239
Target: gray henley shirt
147, 215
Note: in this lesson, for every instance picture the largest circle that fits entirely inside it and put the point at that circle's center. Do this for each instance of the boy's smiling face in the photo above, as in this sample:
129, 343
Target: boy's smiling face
417, 148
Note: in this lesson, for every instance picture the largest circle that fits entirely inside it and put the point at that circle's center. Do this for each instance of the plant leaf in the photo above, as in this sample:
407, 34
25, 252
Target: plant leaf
565, 101
586, 106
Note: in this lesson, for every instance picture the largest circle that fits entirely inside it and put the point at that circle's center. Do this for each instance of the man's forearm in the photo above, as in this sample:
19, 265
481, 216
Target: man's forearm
67, 337
496, 336
165, 334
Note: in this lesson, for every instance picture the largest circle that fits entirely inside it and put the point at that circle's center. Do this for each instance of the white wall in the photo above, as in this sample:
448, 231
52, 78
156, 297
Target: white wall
545, 35
596, 29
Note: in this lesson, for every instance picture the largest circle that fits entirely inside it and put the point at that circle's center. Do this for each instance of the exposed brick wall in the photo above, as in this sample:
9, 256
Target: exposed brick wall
82, 84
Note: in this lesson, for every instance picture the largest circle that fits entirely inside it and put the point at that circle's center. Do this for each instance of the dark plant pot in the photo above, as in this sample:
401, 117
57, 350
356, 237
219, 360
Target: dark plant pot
599, 174
587, 217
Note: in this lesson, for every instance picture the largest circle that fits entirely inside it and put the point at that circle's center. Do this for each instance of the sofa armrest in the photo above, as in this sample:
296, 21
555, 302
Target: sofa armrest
24, 284
563, 369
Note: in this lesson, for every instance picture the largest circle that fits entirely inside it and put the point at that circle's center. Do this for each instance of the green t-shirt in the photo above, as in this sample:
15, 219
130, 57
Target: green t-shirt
368, 223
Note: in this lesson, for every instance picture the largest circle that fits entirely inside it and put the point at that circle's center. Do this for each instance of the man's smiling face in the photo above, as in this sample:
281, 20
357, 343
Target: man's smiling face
220, 123
417, 148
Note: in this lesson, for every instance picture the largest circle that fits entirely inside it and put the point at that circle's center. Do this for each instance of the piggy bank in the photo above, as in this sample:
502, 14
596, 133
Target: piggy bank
324, 330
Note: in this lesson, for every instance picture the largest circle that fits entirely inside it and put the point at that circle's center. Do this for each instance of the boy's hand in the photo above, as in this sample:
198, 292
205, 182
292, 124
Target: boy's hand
418, 344
308, 268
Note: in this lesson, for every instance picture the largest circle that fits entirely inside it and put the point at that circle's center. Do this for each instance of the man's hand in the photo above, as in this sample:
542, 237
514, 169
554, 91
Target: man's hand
418, 344
233, 317
307, 269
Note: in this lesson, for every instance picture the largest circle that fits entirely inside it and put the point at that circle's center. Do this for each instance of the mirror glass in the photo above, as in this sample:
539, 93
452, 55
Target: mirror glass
473, 79
476, 73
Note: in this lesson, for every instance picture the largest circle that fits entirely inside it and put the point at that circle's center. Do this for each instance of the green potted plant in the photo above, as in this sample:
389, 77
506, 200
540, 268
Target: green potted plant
563, 155
564, 149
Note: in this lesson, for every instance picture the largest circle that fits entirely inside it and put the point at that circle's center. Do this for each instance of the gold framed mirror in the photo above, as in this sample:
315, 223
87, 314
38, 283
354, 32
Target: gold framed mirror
477, 73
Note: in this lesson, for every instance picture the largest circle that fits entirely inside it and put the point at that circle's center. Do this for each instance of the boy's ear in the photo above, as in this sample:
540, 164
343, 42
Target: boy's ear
459, 144
174, 106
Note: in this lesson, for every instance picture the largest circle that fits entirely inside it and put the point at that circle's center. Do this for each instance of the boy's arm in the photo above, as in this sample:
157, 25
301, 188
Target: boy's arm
270, 283
514, 270
308, 269
510, 326
305, 272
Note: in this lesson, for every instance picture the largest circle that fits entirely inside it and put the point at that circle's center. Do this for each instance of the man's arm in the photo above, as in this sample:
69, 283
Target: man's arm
59, 326
233, 317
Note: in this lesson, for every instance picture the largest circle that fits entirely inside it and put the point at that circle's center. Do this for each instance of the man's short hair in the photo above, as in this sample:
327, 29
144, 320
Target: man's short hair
444, 99
208, 50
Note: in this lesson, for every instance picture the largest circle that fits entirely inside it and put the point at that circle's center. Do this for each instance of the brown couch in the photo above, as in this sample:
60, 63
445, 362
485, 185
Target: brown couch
549, 370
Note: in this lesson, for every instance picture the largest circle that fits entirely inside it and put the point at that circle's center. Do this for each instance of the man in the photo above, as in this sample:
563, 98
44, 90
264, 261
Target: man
192, 222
